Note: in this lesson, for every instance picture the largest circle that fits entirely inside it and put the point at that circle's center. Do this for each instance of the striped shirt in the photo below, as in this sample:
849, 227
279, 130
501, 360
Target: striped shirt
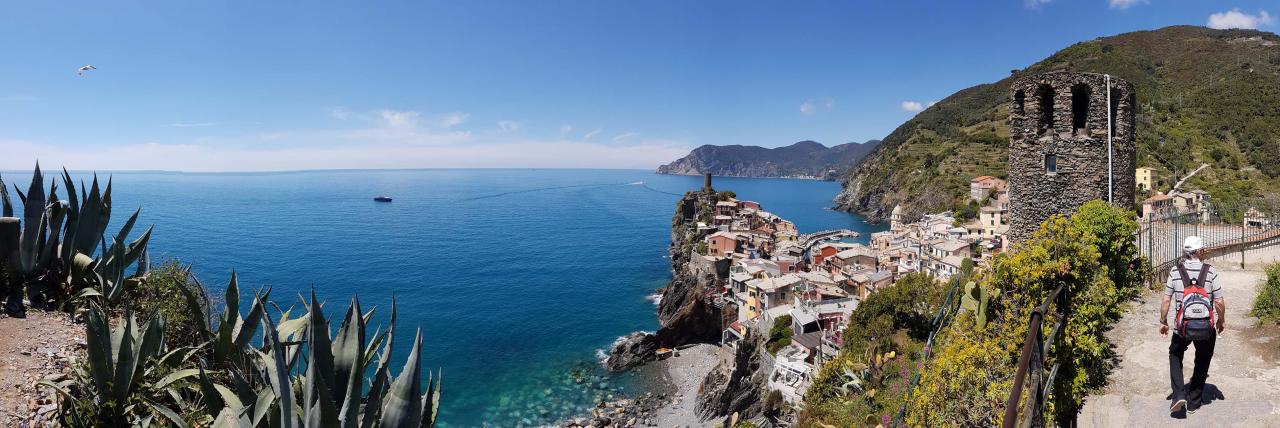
1173, 287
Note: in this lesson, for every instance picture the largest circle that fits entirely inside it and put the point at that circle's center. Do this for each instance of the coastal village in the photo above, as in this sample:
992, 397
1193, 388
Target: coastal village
771, 273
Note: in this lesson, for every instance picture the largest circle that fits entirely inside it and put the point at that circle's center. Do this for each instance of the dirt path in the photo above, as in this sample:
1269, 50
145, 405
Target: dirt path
44, 345
1245, 371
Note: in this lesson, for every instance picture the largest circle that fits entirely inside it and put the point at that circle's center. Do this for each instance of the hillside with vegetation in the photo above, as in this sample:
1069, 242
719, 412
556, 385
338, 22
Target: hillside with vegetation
806, 159
1205, 97
921, 353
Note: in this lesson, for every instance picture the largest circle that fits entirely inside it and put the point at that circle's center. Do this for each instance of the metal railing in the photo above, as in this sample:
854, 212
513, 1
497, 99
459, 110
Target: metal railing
1226, 229
1031, 365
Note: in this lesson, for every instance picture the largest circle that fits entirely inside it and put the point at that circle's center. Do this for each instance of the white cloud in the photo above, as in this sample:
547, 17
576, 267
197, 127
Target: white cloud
210, 157
912, 106
1237, 19
383, 138
1125, 4
565, 129
815, 105
340, 113
1034, 4
931, 103
508, 125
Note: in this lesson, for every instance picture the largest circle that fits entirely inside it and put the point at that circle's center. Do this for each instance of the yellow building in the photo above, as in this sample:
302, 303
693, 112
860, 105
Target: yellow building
1146, 178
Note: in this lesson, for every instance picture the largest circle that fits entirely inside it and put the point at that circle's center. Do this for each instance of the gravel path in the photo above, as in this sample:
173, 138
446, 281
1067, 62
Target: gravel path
685, 373
1245, 370
44, 345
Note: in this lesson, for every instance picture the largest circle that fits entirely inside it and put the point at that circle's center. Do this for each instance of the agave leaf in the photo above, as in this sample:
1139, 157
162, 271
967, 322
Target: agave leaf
277, 372
152, 338
194, 306
377, 389
263, 405
431, 401
126, 361
348, 353
321, 347
223, 346
293, 327
249, 327
166, 412
231, 418
87, 225
402, 407
6, 206
319, 406
174, 377
99, 342
209, 396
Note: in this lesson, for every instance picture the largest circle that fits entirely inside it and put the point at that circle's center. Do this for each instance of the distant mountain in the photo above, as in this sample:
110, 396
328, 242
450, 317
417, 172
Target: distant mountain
805, 159
1205, 97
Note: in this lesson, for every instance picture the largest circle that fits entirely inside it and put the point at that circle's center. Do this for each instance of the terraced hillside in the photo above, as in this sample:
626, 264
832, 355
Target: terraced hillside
1205, 96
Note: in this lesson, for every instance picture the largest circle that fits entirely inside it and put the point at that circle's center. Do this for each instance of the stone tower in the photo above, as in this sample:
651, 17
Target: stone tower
1058, 146
706, 182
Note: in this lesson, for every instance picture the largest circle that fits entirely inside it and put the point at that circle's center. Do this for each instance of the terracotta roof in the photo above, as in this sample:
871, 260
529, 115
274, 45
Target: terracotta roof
1157, 198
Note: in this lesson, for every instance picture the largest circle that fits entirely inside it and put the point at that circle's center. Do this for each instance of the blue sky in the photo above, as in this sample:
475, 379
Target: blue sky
221, 86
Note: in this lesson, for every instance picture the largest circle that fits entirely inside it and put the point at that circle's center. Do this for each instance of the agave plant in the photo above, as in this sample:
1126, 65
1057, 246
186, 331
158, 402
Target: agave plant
129, 375
50, 252
333, 386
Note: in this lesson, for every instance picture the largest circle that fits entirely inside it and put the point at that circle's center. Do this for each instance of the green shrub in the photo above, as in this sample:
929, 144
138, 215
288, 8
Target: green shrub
162, 293
1266, 307
1090, 254
779, 335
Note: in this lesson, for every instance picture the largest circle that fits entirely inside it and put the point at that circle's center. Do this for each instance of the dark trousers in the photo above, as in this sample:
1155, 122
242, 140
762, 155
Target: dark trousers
1204, 353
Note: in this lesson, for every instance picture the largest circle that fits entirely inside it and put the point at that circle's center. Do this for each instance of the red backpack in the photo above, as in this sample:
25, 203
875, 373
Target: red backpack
1195, 318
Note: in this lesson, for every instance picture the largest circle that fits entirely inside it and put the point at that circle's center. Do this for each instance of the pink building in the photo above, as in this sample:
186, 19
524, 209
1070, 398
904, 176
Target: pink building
721, 244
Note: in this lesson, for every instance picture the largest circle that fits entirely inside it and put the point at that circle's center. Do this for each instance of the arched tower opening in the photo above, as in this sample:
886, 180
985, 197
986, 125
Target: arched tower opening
1080, 94
1044, 98
1116, 96
1019, 103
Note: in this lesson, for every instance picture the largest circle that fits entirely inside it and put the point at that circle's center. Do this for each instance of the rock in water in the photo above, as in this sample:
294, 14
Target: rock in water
632, 350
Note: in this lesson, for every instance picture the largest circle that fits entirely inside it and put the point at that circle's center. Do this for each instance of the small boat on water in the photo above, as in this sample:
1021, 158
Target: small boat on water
382, 198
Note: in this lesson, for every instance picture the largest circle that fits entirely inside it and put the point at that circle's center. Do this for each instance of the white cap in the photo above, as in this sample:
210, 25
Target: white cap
1192, 244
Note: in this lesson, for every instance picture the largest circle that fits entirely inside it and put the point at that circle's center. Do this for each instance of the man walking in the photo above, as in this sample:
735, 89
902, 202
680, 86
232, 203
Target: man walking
1197, 319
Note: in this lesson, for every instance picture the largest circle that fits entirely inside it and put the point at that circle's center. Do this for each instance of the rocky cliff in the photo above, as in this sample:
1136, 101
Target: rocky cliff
738, 385
688, 312
805, 159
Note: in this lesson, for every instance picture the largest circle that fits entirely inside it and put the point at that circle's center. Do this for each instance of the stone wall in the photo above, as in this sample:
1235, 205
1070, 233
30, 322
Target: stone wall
1063, 116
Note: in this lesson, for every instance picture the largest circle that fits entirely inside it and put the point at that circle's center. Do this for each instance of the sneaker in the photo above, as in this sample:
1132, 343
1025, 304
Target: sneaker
1178, 405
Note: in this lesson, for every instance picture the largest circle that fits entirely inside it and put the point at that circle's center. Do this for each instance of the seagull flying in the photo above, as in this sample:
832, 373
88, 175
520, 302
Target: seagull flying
80, 72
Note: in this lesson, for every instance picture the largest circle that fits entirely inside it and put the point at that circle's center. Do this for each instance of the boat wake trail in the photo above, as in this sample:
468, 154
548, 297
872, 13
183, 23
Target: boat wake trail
646, 186
540, 189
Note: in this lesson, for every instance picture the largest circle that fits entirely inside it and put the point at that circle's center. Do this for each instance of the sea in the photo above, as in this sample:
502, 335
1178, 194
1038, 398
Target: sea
519, 279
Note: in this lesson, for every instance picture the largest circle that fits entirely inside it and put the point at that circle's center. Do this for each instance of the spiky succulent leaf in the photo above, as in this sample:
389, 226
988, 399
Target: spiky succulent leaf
402, 406
348, 356
126, 360
6, 206
277, 373
209, 396
320, 345
381, 377
98, 347
431, 401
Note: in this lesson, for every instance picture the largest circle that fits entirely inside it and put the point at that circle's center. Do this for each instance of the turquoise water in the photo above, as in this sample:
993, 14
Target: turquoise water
517, 277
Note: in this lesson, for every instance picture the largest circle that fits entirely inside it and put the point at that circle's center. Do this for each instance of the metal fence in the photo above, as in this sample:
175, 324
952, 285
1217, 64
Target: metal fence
1230, 231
